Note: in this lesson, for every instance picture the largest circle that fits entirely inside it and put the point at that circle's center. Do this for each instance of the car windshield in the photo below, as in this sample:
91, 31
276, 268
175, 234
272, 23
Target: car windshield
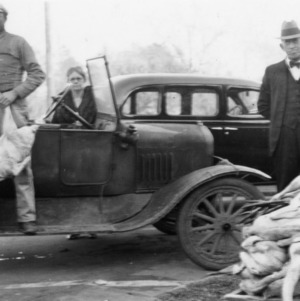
101, 86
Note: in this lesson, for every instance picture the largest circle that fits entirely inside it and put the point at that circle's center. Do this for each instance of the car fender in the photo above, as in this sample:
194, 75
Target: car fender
166, 198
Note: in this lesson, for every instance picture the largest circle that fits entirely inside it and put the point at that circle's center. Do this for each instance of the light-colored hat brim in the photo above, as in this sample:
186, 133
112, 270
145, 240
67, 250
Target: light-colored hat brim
290, 37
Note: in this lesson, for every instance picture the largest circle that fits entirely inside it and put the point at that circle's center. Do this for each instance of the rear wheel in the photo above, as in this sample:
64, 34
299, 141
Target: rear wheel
210, 222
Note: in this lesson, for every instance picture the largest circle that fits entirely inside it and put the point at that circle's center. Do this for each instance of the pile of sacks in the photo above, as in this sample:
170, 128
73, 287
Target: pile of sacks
15, 150
270, 260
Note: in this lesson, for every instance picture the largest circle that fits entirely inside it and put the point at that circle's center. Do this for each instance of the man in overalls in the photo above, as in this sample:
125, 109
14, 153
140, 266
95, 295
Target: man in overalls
17, 57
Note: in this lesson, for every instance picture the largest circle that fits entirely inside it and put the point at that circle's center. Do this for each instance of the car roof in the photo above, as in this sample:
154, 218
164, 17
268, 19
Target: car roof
124, 84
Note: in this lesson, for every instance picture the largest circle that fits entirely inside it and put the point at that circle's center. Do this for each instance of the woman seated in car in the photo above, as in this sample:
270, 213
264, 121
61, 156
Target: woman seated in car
79, 99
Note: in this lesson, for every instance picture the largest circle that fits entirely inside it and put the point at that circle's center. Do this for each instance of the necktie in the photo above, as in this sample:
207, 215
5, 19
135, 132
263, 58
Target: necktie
294, 64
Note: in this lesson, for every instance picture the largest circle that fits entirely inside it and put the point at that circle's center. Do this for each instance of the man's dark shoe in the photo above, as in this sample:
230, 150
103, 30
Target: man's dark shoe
28, 228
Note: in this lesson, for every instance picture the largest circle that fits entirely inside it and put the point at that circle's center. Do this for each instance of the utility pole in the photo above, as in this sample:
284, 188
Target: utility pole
48, 52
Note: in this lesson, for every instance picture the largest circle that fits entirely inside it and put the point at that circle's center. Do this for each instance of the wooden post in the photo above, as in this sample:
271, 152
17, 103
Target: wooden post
49, 82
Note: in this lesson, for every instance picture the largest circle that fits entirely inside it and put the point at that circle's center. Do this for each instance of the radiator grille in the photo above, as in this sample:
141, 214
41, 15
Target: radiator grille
155, 169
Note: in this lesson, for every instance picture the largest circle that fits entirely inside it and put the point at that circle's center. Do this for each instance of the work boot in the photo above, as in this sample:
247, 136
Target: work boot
28, 228
73, 236
82, 235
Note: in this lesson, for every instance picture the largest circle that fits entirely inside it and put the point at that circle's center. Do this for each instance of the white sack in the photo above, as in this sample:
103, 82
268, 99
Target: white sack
261, 257
15, 150
280, 224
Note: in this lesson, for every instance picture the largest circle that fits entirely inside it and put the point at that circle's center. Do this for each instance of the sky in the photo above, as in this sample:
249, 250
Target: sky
87, 27
239, 37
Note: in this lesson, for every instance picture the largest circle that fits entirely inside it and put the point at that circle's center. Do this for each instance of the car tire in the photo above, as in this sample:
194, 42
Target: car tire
209, 223
167, 226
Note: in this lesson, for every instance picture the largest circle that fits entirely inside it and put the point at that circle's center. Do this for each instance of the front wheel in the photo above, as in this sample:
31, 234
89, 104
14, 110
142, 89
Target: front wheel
210, 222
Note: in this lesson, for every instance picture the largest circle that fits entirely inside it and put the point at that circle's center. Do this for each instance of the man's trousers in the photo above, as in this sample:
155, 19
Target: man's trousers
24, 181
286, 158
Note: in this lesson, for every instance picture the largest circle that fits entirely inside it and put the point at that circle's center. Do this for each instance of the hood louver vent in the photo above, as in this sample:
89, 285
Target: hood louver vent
155, 169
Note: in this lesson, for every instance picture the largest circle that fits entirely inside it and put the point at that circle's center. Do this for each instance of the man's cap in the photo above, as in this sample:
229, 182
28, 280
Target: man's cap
3, 10
289, 30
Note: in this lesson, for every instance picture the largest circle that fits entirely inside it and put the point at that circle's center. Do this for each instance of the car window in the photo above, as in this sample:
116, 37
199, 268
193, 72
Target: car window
143, 103
173, 103
233, 108
242, 102
204, 103
191, 101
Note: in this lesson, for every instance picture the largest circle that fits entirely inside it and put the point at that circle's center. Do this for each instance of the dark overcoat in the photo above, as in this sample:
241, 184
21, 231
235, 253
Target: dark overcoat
272, 99
87, 108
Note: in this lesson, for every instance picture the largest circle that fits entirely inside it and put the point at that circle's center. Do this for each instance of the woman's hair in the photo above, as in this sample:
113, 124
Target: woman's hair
76, 69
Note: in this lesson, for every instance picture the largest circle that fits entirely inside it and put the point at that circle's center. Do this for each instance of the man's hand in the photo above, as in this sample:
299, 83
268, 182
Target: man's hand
7, 98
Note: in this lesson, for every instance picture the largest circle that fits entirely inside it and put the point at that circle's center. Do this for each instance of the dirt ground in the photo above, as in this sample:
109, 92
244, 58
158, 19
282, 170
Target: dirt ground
212, 288
133, 266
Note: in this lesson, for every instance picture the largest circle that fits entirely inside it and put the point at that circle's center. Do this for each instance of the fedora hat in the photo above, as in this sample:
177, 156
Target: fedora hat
289, 30
3, 10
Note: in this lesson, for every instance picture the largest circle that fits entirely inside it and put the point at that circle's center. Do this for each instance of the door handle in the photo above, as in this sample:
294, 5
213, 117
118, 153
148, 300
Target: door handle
230, 129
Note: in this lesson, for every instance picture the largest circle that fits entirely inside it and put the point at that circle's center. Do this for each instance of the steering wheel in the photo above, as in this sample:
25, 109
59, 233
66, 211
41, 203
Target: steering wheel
82, 120
59, 102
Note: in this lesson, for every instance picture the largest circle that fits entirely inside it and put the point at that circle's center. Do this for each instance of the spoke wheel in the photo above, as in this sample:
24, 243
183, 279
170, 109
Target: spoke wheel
210, 222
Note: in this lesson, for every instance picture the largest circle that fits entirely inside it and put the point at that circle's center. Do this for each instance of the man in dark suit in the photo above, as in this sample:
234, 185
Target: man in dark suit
279, 101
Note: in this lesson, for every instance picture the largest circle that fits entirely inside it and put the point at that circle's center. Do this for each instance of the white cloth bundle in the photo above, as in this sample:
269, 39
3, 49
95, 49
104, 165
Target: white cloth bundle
281, 224
15, 150
266, 268
262, 257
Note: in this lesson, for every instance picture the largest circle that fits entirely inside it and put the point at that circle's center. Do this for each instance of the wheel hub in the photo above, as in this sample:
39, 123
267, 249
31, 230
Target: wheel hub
224, 223
226, 227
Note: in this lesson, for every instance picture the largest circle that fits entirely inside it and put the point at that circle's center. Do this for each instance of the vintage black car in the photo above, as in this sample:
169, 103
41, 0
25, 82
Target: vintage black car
123, 173
228, 107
